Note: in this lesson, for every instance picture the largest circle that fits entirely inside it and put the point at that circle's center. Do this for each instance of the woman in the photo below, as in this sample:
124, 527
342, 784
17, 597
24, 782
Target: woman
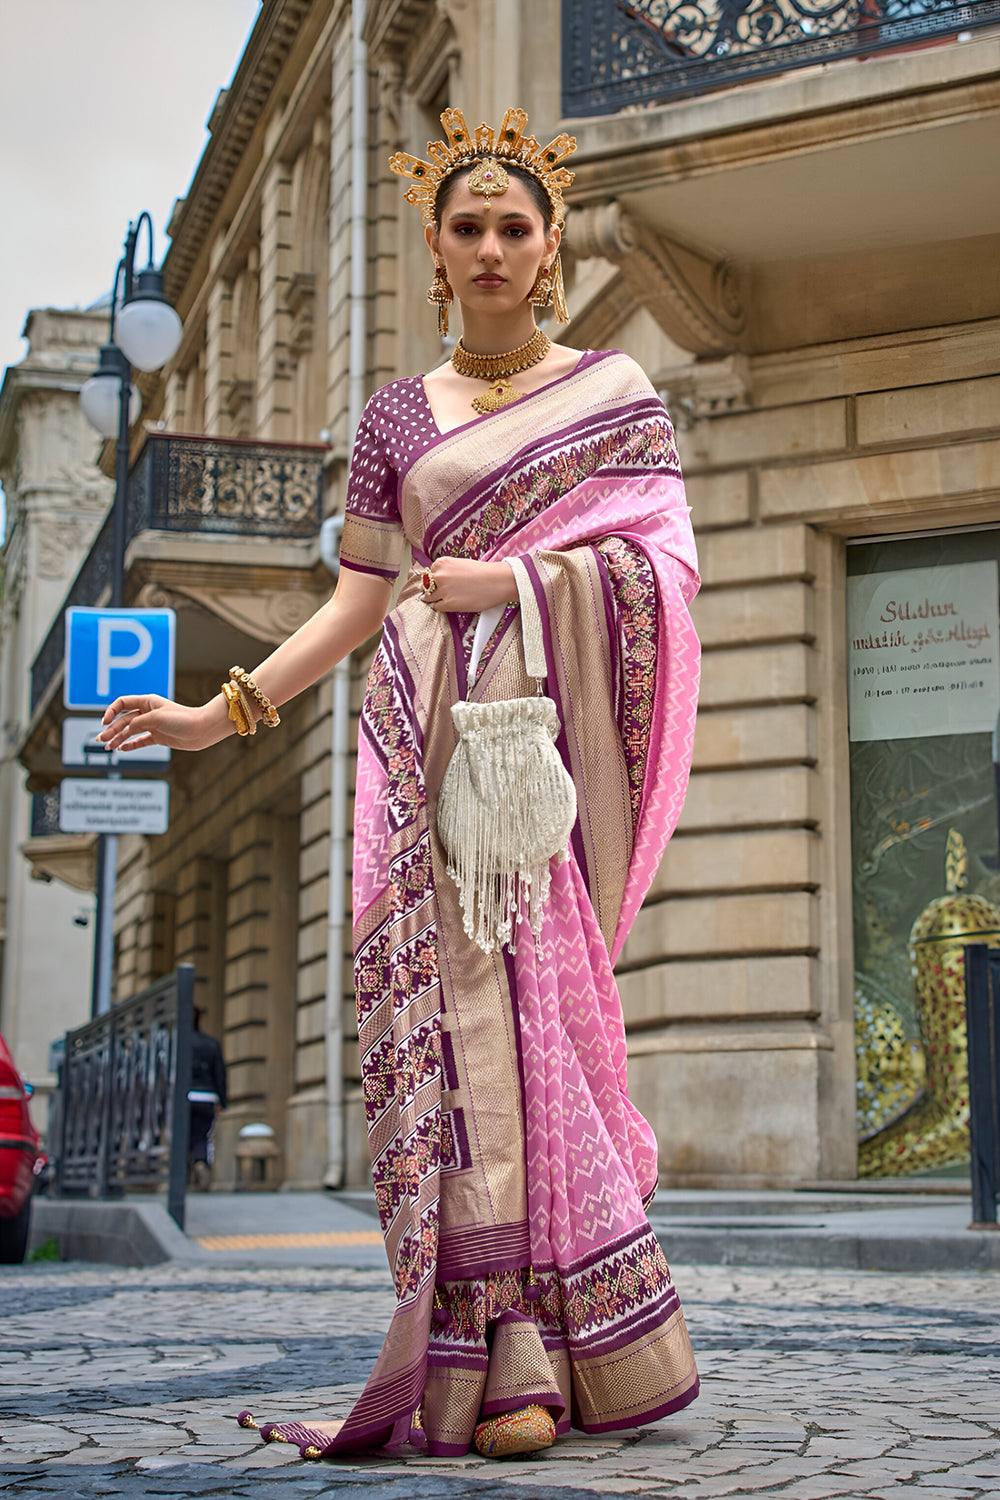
511, 1171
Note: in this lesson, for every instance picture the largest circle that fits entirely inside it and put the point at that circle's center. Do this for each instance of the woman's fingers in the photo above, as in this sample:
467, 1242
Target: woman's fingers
130, 717
125, 705
139, 744
123, 733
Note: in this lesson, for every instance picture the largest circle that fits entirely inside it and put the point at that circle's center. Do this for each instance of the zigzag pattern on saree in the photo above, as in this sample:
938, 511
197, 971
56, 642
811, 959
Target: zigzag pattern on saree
502, 501
389, 722
584, 1148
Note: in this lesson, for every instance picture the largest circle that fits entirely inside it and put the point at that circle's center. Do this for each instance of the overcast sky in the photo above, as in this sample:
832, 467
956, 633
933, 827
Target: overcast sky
103, 105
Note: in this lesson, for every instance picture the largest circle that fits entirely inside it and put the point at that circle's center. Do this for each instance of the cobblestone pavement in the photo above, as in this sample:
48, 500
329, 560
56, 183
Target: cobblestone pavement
815, 1385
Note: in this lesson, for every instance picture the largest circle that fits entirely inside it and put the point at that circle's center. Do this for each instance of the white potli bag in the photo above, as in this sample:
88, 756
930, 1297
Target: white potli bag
507, 802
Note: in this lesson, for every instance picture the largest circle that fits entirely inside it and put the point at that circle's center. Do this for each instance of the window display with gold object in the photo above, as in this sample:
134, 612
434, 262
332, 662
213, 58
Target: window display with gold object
934, 1132
924, 697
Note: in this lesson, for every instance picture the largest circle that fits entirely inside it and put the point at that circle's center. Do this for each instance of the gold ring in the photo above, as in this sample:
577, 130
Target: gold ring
428, 581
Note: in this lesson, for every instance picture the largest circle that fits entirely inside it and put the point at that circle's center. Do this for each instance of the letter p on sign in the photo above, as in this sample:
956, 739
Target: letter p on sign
127, 629
114, 652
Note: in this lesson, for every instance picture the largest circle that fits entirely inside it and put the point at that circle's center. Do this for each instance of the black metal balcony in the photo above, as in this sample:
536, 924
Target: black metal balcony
205, 485
618, 53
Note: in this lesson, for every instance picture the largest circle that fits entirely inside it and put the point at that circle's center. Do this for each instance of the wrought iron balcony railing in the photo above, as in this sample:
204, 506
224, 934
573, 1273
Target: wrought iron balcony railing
196, 484
618, 53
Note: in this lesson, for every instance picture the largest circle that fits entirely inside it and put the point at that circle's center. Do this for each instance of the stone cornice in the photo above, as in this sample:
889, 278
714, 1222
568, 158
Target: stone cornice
390, 25
233, 122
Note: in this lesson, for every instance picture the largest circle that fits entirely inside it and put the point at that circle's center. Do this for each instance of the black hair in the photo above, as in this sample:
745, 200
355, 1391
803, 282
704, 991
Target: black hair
539, 195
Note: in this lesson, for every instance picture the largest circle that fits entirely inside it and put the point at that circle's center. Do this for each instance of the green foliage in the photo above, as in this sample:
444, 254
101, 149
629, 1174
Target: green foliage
47, 1251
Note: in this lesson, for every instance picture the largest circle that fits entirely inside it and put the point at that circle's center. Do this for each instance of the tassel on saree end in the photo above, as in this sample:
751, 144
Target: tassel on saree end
311, 1451
245, 1419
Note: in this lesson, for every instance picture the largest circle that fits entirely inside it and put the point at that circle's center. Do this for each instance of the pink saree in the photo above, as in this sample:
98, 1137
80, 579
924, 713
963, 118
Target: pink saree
510, 1168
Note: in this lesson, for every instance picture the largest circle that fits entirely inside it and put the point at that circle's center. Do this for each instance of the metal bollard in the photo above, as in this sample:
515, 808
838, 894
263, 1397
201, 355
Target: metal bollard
982, 999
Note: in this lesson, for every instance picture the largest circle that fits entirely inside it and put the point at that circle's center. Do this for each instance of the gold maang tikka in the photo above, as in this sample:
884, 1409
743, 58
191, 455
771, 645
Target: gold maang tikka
488, 180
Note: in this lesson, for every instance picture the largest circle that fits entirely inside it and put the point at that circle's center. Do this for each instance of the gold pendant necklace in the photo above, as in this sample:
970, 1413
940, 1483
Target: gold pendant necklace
498, 368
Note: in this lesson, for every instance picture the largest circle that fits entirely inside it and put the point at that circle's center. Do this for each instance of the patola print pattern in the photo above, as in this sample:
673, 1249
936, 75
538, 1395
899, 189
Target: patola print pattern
510, 1166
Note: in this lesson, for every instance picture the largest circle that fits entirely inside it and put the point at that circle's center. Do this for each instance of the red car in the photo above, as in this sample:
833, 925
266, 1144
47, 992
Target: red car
20, 1161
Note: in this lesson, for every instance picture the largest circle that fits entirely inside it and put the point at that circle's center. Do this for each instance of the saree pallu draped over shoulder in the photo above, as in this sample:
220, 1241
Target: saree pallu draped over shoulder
510, 1167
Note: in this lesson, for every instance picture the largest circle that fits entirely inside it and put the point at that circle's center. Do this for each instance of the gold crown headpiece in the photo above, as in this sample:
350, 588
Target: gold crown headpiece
508, 144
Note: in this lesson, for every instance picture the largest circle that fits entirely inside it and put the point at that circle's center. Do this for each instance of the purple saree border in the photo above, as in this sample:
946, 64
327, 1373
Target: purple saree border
587, 358
594, 1257
389, 574
378, 1409
654, 1414
611, 621
533, 455
466, 1254
460, 1140
626, 1330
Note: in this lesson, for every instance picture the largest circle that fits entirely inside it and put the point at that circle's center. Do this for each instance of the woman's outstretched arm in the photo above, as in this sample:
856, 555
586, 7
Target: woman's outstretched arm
355, 611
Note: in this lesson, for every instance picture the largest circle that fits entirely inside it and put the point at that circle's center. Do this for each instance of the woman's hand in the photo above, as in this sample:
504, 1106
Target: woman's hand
462, 585
132, 723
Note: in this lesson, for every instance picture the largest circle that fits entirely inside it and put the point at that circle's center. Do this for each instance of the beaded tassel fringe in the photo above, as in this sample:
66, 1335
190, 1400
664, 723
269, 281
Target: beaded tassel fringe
507, 806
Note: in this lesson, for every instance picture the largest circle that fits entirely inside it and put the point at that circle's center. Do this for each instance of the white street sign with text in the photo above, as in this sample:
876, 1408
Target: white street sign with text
93, 805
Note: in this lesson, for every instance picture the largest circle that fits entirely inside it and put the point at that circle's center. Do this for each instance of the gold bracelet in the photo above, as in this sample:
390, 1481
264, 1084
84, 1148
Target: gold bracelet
239, 709
245, 682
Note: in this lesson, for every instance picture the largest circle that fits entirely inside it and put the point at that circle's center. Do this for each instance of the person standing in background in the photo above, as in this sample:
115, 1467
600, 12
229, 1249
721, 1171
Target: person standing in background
206, 1097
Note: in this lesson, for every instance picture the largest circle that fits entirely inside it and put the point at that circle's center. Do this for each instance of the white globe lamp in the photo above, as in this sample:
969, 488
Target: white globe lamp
100, 396
147, 329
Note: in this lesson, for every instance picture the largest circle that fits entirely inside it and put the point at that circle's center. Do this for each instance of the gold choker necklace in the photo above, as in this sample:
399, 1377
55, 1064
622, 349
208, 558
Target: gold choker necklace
498, 368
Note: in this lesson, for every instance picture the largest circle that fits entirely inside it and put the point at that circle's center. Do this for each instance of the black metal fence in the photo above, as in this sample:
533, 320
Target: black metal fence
982, 1003
123, 1097
621, 53
196, 484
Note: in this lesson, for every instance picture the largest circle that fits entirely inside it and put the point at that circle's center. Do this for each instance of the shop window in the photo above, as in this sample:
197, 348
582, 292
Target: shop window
923, 700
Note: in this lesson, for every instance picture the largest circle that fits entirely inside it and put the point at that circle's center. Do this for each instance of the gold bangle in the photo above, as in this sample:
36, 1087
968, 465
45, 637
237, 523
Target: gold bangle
245, 682
239, 709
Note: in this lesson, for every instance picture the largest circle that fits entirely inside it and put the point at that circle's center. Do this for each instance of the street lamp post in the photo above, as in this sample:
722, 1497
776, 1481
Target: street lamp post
144, 332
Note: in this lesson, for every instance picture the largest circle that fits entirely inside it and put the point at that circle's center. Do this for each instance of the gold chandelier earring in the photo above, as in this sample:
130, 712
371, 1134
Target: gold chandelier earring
559, 291
541, 292
440, 294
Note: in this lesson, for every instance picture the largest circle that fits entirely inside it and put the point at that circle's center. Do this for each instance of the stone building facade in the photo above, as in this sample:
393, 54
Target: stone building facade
805, 265
56, 498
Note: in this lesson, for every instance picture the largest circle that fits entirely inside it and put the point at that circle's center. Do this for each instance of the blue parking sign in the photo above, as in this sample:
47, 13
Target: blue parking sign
110, 652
